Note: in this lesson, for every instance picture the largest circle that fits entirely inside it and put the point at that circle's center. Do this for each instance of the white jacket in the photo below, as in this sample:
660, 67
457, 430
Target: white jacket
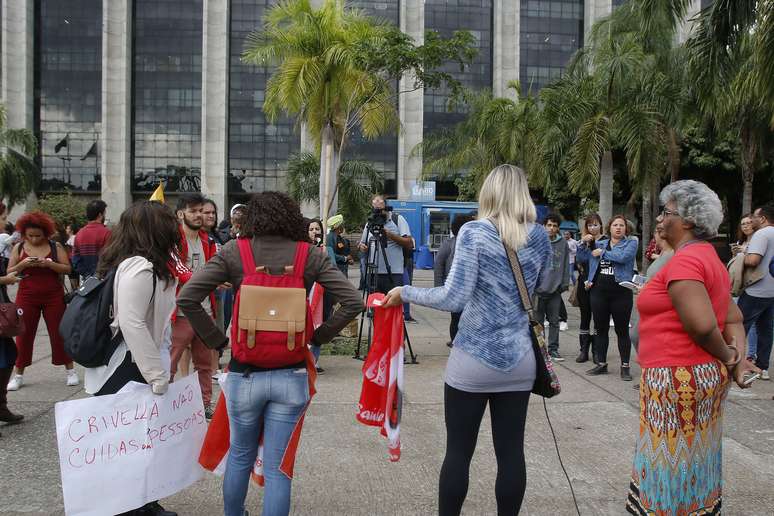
144, 319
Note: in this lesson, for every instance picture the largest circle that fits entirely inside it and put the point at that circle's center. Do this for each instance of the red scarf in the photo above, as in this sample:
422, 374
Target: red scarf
381, 399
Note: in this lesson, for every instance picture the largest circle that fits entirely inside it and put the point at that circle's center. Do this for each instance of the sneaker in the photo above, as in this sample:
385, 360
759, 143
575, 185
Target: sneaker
72, 378
563, 326
612, 324
319, 369
556, 357
764, 376
16, 382
546, 324
153, 509
208, 412
216, 376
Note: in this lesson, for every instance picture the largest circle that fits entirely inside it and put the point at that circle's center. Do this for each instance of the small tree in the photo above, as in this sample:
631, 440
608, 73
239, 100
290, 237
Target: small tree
64, 209
18, 172
358, 181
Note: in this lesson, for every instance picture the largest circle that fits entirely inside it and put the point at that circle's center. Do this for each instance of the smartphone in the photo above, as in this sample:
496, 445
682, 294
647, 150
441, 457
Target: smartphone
751, 379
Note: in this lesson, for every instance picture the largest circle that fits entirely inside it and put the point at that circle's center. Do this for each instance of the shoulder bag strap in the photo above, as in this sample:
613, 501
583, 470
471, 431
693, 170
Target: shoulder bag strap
299, 262
518, 275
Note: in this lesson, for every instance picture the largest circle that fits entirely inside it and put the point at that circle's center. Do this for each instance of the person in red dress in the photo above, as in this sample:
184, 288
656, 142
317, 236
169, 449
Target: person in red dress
41, 264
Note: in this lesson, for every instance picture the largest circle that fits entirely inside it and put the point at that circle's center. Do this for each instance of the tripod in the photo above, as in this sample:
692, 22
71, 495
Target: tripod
376, 250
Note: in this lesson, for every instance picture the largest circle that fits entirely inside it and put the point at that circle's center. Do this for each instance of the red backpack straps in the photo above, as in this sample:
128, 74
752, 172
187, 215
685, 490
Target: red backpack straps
299, 263
246, 253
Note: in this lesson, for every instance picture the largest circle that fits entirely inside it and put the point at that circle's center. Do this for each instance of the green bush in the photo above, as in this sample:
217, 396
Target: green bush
64, 209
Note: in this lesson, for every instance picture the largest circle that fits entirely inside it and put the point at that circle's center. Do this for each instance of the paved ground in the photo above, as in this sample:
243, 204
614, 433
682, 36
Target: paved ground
342, 466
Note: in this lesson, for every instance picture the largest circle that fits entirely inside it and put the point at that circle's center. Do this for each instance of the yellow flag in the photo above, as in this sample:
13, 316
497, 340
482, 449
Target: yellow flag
158, 195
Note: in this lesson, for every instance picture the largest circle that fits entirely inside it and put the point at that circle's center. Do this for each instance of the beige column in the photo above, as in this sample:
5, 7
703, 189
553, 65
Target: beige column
215, 59
115, 149
410, 104
686, 27
18, 32
507, 46
593, 11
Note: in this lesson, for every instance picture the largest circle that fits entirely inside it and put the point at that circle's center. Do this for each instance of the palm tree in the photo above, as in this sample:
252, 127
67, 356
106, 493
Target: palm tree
495, 131
18, 173
320, 80
357, 182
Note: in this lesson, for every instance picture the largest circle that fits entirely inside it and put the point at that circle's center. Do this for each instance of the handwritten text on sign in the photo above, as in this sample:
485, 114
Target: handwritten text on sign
118, 452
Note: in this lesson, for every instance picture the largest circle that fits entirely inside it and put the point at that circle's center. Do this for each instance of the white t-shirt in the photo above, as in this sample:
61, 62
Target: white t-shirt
762, 243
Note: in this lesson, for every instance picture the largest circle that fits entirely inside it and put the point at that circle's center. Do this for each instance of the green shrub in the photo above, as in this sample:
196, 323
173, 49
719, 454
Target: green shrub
64, 209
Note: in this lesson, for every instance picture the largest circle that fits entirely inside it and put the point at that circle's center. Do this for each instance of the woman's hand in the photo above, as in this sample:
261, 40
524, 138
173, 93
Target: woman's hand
588, 238
740, 370
10, 278
393, 298
30, 261
597, 252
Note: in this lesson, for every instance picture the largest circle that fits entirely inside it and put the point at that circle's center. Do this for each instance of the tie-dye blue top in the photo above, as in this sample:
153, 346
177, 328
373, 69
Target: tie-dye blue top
494, 326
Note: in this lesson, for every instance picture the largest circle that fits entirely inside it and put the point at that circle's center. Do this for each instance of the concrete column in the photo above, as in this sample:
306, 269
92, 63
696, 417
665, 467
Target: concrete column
215, 59
686, 27
593, 11
410, 104
18, 61
115, 139
507, 46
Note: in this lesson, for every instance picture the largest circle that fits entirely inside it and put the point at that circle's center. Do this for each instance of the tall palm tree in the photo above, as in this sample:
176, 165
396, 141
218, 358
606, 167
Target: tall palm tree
357, 182
495, 131
320, 80
18, 173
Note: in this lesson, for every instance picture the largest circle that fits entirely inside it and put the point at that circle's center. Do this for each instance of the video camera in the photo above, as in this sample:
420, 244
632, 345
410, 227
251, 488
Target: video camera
378, 219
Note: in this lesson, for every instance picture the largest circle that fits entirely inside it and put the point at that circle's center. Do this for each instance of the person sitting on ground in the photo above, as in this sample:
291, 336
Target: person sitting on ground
692, 345
145, 283
266, 400
443, 263
492, 361
39, 263
90, 239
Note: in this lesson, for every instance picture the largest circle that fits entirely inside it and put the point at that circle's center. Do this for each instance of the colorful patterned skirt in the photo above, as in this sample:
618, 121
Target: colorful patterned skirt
678, 463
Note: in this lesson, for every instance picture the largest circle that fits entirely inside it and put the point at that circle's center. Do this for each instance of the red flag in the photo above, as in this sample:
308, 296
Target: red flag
381, 398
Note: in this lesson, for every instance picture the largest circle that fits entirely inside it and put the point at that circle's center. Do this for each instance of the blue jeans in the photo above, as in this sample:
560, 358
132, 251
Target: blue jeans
759, 311
272, 401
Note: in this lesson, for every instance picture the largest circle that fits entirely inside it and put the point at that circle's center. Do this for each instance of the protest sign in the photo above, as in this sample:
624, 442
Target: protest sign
118, 452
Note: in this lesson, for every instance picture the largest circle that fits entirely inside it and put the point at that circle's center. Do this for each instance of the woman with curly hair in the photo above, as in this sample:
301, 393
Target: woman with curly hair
263, 398
40, 263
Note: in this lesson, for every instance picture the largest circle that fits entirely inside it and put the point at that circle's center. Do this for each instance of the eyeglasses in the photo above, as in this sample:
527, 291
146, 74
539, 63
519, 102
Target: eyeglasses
666, 213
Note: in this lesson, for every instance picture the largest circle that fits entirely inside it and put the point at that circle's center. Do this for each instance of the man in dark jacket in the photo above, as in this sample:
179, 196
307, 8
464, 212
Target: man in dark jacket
554, 280
443, 264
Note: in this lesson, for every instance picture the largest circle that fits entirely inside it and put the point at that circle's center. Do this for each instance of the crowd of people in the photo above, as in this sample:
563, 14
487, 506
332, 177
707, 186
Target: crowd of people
180, 275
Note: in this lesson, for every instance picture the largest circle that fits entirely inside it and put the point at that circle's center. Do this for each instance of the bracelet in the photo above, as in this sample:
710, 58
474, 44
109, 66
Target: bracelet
737, 357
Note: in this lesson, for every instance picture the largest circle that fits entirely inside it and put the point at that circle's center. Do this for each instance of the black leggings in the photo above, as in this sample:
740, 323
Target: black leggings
463, 412
584, 303
613, 301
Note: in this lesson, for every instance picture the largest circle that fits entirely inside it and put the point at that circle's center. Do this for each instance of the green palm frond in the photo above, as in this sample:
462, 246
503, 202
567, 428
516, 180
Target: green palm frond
592, 140
303, 178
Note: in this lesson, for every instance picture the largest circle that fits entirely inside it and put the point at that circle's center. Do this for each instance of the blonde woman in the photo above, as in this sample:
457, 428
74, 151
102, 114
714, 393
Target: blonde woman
492, 361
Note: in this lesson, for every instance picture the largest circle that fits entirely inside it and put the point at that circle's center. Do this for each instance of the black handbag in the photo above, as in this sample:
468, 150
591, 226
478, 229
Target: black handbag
546, 382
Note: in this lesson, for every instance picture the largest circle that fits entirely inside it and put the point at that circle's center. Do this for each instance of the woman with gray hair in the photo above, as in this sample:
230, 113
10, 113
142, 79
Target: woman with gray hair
692, 344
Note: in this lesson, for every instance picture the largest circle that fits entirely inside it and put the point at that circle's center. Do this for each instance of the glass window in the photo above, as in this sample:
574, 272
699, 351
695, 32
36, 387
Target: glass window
68, 93
257, 150
167, 97
551, 32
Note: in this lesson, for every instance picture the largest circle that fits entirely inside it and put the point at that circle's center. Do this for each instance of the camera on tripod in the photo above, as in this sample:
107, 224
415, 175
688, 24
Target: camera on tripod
378, 219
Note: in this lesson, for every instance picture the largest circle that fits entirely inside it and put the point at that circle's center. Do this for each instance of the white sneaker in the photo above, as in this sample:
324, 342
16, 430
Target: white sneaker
612, 324
16, 382
764, 376
563, 326
72, 378
545, 324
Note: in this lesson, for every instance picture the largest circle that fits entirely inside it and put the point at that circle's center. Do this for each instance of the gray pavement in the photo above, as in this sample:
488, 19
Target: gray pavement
342, 466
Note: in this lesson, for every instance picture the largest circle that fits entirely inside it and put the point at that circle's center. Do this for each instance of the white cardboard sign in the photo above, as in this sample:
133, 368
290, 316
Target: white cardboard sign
121, 451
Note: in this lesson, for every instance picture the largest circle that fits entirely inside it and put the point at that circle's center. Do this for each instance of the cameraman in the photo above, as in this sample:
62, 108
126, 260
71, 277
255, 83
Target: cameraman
396, 236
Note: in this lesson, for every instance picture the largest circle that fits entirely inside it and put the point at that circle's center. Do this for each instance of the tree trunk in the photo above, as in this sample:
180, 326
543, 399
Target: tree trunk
747, 194
606, 187
673, 156
328, 172
647, 221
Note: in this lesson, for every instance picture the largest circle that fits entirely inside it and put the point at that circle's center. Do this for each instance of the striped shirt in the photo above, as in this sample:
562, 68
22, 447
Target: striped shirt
494, 326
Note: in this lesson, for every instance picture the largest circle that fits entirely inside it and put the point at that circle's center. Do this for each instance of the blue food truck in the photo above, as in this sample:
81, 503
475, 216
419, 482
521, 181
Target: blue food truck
430, 223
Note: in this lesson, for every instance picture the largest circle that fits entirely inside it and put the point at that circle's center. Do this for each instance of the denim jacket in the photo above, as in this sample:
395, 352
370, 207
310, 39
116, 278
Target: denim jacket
622, 256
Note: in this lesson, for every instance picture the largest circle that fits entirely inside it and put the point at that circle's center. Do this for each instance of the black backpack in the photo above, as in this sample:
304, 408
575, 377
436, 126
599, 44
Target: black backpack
85, 326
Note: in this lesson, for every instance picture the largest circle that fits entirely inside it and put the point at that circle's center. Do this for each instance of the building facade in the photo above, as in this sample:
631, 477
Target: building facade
124, 94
